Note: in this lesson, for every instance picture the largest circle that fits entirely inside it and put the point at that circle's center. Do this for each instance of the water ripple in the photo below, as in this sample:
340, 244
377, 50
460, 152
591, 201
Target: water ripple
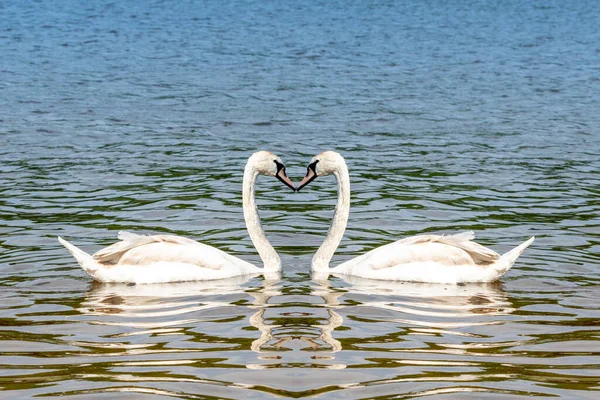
453, 117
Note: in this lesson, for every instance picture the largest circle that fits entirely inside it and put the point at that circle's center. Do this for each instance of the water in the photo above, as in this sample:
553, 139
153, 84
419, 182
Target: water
132, 115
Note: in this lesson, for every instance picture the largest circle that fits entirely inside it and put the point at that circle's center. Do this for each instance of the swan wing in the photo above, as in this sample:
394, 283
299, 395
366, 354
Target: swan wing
463, 241
142, 250
447, 250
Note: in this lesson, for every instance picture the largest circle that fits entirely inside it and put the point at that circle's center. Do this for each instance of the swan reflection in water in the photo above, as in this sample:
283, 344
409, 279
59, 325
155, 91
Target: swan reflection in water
206, 312
423, 299
421, 308
333, 321
154, 300
312, 338
163, 325
177, 308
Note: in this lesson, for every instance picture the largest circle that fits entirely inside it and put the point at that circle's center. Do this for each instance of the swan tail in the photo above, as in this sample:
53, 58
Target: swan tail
508, 259
86, 261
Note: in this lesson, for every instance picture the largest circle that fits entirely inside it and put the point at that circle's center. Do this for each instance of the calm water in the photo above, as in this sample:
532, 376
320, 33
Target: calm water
459, 115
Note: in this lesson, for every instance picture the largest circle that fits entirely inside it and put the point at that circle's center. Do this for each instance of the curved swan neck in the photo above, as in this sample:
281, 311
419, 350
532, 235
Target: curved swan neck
320, 262
266, 251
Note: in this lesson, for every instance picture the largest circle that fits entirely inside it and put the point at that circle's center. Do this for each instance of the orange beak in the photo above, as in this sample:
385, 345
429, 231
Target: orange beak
311, 175
282, 176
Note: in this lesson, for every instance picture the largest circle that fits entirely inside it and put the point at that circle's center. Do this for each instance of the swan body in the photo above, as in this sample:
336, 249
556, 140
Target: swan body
423, 258
170, 258
432, 259
159, 259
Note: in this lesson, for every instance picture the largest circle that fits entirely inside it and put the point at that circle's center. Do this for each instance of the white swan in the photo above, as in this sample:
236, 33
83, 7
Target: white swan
168, 258
423, 258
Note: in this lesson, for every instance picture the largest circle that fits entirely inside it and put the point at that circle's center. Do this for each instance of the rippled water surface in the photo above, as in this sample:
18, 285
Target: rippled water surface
461, 115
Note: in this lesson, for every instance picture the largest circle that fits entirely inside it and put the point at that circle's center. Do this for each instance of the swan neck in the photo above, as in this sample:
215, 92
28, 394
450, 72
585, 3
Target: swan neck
268, 255
334, 236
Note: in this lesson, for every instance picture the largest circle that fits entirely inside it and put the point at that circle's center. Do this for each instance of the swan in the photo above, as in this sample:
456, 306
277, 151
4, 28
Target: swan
423, 258
168, 258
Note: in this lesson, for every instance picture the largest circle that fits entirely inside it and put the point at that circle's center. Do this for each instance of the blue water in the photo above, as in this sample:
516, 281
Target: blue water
306, 70
458, 115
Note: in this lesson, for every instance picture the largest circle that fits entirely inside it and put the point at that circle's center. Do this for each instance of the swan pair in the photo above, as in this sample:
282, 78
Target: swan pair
422, 258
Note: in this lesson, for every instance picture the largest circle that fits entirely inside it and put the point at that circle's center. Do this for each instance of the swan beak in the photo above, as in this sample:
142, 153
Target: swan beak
310, 176
282, 176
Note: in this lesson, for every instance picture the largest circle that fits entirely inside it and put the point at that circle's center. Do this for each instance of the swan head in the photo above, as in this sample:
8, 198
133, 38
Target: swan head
326, 163
267, 163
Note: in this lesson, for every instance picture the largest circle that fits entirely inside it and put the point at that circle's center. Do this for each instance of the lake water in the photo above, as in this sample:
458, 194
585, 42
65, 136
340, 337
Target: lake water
452, 116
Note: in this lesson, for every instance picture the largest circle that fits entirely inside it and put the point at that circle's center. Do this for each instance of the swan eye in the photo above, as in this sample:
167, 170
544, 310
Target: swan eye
282, 176
311, 174
280, 168
279, 165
